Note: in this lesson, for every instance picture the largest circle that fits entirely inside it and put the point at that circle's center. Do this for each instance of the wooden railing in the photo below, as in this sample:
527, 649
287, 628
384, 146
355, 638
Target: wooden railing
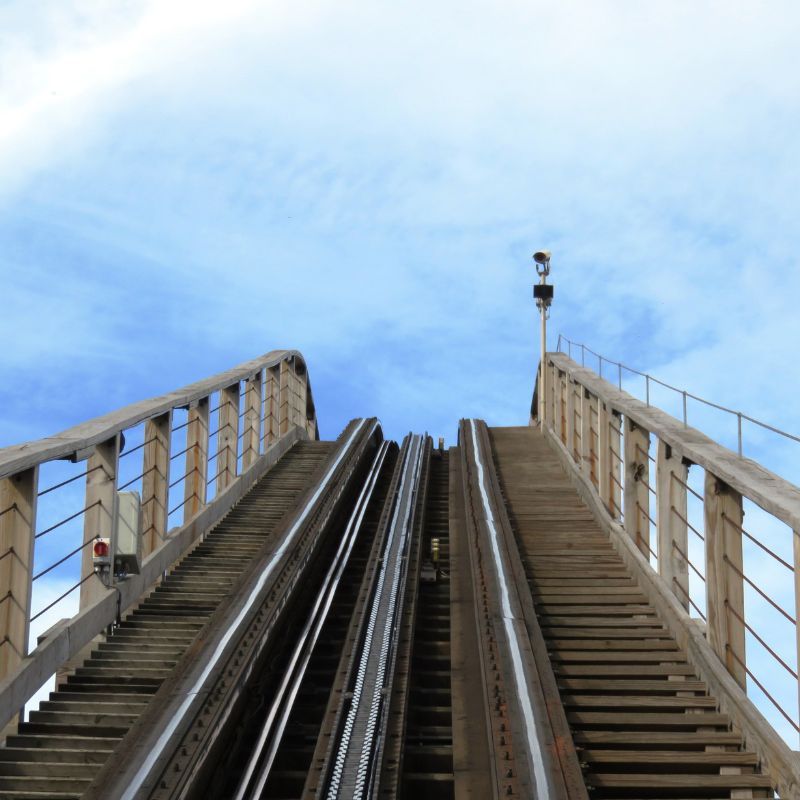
184, 449
676, 500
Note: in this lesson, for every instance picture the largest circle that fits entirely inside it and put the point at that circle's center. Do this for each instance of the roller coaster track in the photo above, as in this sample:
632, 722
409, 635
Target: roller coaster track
361, 619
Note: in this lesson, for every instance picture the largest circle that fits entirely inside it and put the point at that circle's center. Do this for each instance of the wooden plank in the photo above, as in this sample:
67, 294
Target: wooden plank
227, 437
662, 758
155, 482
569, 388
621, 719
285, 407
100, 516
676, 781
631, 685
252, 420
195, 486
676, 739
796, 552
768, 490
637, 496
473, 762
81, 437
672, 474
724, 585
644, 702
272, 406
17, 528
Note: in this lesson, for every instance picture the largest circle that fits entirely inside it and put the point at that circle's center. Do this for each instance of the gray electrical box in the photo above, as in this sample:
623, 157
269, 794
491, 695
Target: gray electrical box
128, 549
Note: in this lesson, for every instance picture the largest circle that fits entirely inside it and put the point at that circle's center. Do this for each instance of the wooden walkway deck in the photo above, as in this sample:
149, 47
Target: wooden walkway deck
644, 724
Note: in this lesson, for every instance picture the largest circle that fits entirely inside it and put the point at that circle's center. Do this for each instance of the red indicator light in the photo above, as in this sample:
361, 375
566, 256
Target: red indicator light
100, 549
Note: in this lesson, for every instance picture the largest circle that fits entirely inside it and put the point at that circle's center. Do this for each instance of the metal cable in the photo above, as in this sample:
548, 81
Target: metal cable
67, 519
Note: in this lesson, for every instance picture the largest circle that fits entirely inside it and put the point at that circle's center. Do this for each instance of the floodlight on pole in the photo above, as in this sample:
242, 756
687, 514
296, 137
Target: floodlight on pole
543, 294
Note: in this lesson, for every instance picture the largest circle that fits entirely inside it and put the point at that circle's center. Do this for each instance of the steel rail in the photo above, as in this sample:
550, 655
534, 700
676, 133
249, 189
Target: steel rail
263, 754
368, 704
150, 761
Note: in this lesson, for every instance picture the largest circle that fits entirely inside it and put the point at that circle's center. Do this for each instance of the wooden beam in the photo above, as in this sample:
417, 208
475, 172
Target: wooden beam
552, 417
17, 530
604, 457
195, 487
587, 445
796, 549
252, 420
84, 436
724, 584
672, 474
569, 388
272, 407
155, 483
227, 437
637, 477
101, 513
284, 414
770, 491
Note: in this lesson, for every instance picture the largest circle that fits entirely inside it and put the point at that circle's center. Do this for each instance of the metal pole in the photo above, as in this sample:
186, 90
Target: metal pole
739, 420
542, 357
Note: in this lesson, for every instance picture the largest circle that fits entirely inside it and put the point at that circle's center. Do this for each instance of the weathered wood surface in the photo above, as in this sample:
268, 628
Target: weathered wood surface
63, 445
606, 681
68, 639
17, 526
775, 756
768, 490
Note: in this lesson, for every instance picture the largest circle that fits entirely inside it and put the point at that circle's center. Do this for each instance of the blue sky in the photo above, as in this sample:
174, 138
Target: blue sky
185, 185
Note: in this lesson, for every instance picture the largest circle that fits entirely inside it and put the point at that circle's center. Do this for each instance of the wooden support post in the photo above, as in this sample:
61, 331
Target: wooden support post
594, 423
587, 446
194, 489
614, 428
294, 395
227, 437
558, 410
570, 392
101, 512
285, 405
272, 407
637, 476
552, 394
672, 474
17, 530
796, 547
155, 483
724, 584
604, 457
252, 421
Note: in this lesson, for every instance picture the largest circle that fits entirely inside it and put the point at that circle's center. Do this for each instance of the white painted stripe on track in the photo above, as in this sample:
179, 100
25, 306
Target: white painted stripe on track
144, 770
536, 755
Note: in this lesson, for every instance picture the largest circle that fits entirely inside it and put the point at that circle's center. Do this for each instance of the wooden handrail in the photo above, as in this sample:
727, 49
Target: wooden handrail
774, 494
71, 442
